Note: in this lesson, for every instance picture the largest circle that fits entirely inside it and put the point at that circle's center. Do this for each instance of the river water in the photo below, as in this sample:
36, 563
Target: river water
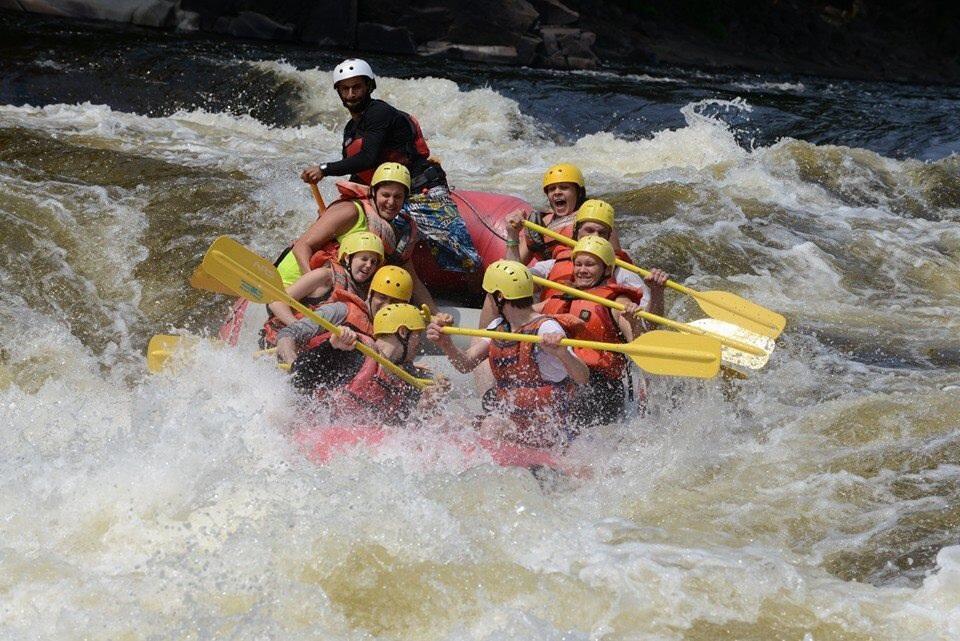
819, 499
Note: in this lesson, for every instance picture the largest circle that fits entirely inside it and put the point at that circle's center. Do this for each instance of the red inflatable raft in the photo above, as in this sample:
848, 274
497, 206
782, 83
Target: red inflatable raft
321, 444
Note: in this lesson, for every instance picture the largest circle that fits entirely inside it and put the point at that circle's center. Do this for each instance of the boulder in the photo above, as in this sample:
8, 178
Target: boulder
149, 13
383, 39
490, 22
253, 25
554, 12
330, 23
491, 54
568, 48
527, 49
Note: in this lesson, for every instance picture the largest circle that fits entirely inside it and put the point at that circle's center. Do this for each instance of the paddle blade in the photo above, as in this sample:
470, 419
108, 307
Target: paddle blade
200, 279
162, 346
731, 355
739, 311
674, 354
244, 272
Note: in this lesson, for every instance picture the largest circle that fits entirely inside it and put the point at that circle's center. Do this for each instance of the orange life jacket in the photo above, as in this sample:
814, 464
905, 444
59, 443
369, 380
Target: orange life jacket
599, 325
543, 247
537, 406
397, 248
418, 149
562, 270
358, 316
341, 280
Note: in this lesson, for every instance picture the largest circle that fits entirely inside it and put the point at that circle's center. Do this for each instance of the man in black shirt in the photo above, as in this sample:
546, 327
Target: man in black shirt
376, 133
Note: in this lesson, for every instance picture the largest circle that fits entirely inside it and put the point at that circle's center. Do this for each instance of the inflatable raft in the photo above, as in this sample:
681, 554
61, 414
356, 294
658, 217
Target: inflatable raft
322, 444
483, 214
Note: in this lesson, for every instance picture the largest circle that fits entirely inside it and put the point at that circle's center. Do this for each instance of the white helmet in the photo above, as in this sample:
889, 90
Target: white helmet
351, 68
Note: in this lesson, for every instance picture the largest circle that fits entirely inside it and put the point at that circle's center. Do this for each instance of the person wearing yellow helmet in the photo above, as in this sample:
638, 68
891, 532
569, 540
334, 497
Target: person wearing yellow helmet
594, 219
298, 340
358, 258
593, 260
378, 210
359, 390
534, 382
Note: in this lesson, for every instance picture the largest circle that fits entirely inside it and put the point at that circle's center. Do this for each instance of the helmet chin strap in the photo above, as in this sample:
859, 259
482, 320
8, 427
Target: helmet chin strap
406, 345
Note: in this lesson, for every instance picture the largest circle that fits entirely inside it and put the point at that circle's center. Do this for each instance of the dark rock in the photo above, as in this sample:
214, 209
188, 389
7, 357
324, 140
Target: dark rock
330, 23
155, 14
427, 23
554, 12
491, 54
384, 39
491, 22
253, 25
568, 48
527, 49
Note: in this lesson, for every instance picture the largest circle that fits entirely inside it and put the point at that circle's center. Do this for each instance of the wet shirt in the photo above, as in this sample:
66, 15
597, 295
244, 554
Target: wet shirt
381, 127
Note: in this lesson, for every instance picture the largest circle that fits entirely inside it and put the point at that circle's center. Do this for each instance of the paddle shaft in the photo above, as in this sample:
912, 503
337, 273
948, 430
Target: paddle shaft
321, 206
623, 348
278, 294
660, 320
757, 318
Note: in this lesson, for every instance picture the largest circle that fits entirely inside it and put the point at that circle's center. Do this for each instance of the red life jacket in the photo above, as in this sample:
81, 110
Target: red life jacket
599, 325
537, 406
398, 249
417, 149
378, 394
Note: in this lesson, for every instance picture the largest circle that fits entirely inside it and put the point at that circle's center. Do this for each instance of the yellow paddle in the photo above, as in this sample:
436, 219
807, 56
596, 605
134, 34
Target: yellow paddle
162, 346
740, 346
663, 353
253, 277
723, 305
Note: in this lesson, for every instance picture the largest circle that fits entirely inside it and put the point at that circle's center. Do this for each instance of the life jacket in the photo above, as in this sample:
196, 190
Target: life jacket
341, 280
537, 406
562, 270
379, 393
407, 155
543, 247
358, 316
398, 248
599, 325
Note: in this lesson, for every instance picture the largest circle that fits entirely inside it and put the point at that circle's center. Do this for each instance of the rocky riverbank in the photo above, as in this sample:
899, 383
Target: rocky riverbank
909, 41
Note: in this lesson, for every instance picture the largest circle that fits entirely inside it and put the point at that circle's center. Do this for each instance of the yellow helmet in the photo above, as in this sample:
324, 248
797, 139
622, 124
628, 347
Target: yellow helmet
360, 241
598, 211
393, 281
508, 277
562, 173
392, 317
597, 246
391, 172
